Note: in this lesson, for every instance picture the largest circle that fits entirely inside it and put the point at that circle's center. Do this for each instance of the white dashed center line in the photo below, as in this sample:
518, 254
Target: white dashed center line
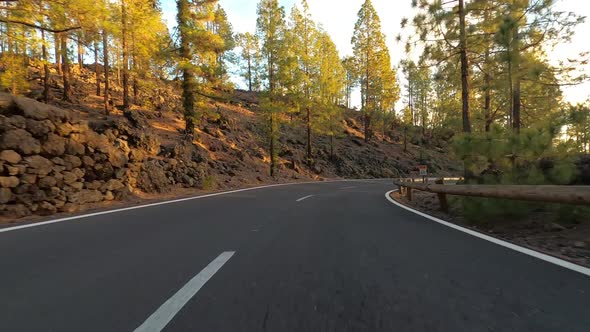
159, 319
304, 198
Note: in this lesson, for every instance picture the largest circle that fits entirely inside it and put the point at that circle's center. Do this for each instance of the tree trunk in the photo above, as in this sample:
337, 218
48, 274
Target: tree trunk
516, 103
367, 127
249, 73
57, 53
96, 69
309, 159
464, 69
125, 57
188, 77
45, 69
516, 123
66, 67
272, 146
80, 52
405, 138
105, 52
488, 102
331, 146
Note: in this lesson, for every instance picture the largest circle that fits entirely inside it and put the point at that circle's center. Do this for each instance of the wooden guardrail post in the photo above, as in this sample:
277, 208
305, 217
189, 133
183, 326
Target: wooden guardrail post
442, 198
443, 204
409, 192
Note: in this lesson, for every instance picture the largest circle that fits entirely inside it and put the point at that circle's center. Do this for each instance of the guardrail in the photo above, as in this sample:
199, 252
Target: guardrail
578, 195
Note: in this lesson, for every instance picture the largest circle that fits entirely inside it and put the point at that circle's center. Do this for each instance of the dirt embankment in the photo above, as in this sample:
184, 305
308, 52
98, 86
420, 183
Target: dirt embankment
541, 230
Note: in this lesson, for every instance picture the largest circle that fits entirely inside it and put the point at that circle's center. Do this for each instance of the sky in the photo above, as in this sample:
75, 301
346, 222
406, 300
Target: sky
338, 17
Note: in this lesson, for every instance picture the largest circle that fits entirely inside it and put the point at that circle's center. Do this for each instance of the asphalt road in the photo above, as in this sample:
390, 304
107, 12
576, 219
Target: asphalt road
344, 259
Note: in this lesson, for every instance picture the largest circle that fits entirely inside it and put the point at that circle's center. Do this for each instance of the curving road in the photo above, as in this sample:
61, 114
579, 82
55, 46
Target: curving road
310, 257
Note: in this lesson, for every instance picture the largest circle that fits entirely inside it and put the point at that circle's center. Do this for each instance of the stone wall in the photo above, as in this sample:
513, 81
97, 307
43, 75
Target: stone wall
52, 162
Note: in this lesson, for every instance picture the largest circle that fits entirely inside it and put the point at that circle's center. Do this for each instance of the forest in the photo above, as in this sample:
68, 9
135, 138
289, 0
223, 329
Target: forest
476, 71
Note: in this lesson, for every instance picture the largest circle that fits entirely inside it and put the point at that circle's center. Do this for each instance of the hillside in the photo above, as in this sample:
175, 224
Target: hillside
65, 157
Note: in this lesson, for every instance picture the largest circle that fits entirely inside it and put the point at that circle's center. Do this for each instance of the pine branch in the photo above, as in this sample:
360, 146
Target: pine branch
39, 27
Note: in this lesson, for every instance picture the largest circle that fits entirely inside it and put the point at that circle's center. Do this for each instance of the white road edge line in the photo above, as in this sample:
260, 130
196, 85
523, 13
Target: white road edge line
304, 198
166, 312
34, 224
526, 251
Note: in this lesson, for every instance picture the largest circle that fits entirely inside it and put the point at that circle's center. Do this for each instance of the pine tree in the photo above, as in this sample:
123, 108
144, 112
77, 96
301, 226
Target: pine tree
329, 87
251, 58
271, 28
373, 64
304, 35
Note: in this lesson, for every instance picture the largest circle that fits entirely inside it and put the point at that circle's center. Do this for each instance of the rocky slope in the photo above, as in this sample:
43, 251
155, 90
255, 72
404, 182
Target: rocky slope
65, 157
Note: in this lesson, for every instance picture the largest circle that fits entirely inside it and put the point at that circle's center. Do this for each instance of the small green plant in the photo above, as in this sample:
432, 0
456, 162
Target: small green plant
209, 182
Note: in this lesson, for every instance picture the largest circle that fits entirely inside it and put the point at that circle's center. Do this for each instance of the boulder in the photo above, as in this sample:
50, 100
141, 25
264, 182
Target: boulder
93, 185
10, 156
28, 178
17, 210
47, 182
39, 165
87, 161
15, 122
64, 129
117, 158
152, 178
109, 196
20, 140
32, 109
85, 196
76, 186
79, 172
98, 142
69, 177
71, 162
9, 181
46, 208
112, 185
15, 170
40, 128
54, 145
58, 161
5, 195
75, 148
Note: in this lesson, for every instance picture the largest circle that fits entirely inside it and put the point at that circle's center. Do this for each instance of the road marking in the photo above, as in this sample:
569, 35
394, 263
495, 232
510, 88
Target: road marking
304, 198
166, 312
526, 251
49, 222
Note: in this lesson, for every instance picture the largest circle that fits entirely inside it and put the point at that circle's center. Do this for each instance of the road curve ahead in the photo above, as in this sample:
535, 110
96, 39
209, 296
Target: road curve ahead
311, 257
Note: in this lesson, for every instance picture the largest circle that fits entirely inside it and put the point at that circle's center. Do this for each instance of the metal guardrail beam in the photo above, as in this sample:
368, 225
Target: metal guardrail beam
579, 195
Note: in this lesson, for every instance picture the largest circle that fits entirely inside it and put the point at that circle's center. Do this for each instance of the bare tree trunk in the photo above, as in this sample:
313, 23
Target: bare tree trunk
80, 51
464, 69
405, 138
125, 57
66, 67
272, 145
309, 148
105, 51
57, 53
96, 68
249, 72
45, 69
